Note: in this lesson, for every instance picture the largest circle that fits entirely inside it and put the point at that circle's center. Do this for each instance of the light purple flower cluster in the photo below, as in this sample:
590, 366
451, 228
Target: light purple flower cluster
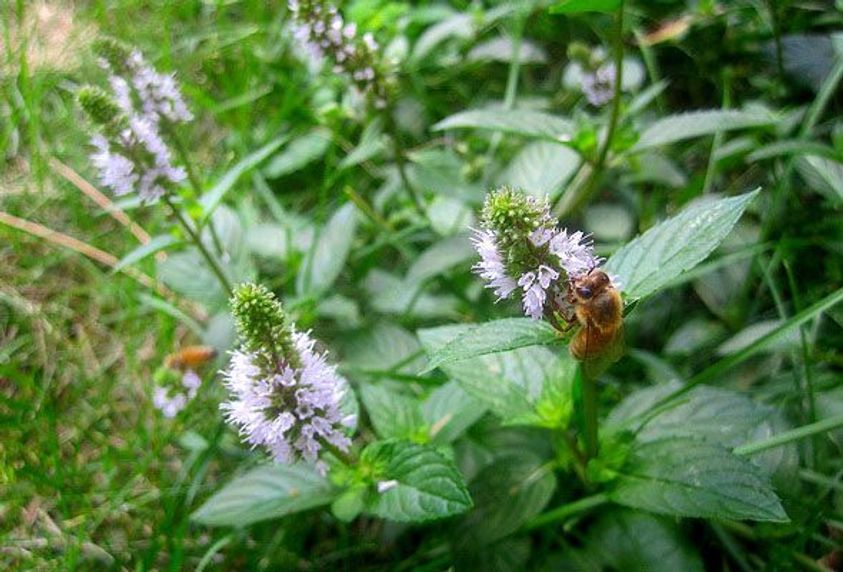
171, 401
321, 30
132, 155
290, 411
539, 258
598, 86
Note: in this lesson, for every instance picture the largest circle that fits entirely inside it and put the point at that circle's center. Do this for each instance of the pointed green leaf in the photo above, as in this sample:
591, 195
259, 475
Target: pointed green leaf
692, 478
298, 154
624, 539
155, 244
269, 491
493, 337
676, 245
327, 257
422, 484
211, 199
512, 384
449, 411
683, 126
518, 121
507, 494
393, 415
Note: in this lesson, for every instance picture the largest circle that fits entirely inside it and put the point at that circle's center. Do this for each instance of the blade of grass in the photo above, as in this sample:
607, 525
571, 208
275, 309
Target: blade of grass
729, 362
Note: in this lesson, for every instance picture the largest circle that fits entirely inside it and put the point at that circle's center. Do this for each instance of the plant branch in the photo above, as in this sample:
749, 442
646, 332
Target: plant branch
401, 161
588, 189
194, 237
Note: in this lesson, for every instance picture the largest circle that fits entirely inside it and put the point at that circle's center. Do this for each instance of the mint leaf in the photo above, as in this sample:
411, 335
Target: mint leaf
327, 256
428, 486
493, 337
624, 539
509, 383
682, 126
517, 121
692, 478
676, 245
449, 411
393, 414
269, 491
507, 494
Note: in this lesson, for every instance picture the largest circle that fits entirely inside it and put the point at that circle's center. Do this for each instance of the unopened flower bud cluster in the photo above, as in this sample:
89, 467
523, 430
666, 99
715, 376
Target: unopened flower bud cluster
320, 28
522, 249
131, 154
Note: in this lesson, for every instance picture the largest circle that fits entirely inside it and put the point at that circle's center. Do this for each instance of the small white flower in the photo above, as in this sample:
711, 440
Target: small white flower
599, 86
491, 267
575, 252
534, 286
291, 412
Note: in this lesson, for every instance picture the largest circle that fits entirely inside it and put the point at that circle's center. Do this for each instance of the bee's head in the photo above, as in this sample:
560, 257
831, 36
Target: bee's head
589, 285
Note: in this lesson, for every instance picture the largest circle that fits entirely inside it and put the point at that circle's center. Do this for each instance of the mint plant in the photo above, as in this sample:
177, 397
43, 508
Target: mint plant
422, 286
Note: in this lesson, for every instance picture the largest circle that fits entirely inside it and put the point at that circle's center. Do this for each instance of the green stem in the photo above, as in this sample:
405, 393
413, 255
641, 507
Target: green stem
600, 163
192, 178
589, 413
401, 162
789, 436
723, 365
346, 458
510, 92
194, 237
566, 511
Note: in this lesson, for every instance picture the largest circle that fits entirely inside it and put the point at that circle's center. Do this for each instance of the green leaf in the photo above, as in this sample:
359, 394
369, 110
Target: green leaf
575, 6
298, 154
440, 257
541, 168
502, 49
372, 143
825, 175
676, 245
186, 273
517, 121
211, 199
493, 337
393, 414
427, 485
721, 416
449, 411
327, 257
384, 346
269, 491
507, 494
170, 310
624, 539
692, 478
155, 244
512, 384
683, 126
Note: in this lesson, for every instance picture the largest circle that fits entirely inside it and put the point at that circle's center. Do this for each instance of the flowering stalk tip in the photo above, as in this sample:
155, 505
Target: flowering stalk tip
100, 107
520, 246
321, 30
284, 395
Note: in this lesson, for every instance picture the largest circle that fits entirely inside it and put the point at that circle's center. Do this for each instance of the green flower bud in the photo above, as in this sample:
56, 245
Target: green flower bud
102, 109
513, 215
113, 51
262, 325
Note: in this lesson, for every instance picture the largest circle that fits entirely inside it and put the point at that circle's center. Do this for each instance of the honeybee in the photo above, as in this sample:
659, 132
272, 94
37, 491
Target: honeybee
190, 357
599, 310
